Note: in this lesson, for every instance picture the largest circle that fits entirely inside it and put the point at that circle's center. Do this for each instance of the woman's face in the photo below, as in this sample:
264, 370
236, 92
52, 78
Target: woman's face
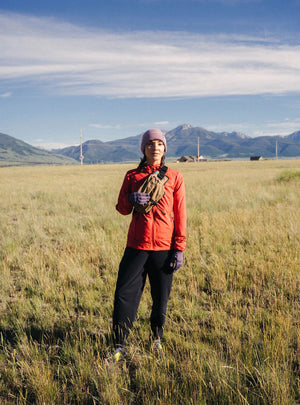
154, 151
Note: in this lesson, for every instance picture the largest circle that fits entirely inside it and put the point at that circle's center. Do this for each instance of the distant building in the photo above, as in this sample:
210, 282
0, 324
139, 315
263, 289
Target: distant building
191, 159
256, 158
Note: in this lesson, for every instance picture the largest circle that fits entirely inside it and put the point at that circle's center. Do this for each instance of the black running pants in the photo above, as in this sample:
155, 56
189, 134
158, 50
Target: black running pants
134, 268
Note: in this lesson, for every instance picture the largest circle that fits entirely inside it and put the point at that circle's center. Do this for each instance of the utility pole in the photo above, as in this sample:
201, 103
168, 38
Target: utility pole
198, 149
81, 155
276, 149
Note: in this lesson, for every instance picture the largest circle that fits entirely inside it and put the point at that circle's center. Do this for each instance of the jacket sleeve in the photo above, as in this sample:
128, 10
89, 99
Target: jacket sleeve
179, 214
123, 206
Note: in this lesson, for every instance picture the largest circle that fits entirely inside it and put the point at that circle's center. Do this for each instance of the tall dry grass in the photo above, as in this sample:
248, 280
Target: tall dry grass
232, 331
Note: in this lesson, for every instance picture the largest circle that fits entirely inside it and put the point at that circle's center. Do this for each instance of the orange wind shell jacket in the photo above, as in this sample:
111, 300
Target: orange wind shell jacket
164, 227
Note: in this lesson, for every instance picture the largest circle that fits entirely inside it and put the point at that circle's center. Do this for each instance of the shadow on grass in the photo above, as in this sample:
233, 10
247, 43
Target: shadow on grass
59, 333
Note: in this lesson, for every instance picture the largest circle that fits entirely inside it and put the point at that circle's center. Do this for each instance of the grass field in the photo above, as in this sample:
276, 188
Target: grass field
232, 330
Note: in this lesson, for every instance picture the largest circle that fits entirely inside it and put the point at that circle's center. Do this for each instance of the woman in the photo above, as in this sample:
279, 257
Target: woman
155, 243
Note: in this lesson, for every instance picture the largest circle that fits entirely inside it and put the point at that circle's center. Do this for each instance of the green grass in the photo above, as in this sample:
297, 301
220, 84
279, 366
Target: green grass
288, 175
232, 330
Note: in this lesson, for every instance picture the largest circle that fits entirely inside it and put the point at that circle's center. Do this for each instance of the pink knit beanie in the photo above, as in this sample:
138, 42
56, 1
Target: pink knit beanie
151, 135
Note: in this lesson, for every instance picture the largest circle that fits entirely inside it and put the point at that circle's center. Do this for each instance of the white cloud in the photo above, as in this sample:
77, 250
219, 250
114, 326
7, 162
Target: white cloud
104, 126
285, 127
64, 59
132, 125
266, 128
6, 95
50, 145
159, 123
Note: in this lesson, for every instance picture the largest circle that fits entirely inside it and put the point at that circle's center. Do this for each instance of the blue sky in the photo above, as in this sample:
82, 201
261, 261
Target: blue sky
118, 67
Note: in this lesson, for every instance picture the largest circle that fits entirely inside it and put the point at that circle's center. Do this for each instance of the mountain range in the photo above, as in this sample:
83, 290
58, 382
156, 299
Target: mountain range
181, 141
14, 152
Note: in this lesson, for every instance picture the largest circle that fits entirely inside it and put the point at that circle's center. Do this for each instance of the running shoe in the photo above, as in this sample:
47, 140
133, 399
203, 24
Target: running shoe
157, 348
117, 356
120, 354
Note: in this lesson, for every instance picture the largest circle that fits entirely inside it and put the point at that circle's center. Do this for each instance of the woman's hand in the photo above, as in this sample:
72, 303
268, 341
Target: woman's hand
176, 260
139, 198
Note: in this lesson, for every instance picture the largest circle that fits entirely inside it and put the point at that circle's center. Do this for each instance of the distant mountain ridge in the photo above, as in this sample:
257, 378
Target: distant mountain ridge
183, 141
14, 152
95, 151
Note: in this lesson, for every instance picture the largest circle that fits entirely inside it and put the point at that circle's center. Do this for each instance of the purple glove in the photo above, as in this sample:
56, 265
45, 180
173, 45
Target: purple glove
139, 198
176, 260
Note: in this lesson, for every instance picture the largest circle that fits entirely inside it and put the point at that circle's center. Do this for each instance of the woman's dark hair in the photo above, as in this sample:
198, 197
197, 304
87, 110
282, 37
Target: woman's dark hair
143, 162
